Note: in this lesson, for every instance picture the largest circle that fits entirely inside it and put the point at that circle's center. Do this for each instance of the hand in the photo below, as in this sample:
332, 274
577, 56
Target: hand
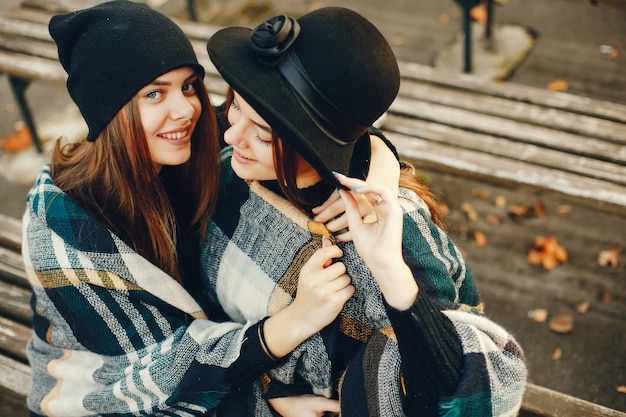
323, 289
332, 213
304, 406
384, 170
379, 243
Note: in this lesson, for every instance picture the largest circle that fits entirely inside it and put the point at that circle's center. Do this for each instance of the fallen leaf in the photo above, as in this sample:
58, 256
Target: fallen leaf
556, 355
609, 257
470, 211
480, 239
494, 219
18, 141
606, 297
547, 253
563, 209
499, 201
479, 13
621, 388
398, 40
558, 85
519, 211
480, 193
582, 307
561, 323
540, 315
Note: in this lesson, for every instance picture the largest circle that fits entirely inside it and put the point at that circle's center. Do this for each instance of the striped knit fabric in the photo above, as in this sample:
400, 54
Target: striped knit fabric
256, 245
113, 334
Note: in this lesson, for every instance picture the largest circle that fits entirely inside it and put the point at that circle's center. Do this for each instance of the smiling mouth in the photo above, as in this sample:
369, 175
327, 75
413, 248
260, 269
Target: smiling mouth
175, 135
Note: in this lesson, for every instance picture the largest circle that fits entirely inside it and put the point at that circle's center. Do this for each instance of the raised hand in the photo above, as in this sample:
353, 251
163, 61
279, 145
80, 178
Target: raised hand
379, 243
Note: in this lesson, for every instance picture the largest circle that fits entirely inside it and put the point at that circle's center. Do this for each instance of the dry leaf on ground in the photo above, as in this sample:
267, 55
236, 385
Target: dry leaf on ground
621, 388
479, 13
18, 141
480, 239
558, 85
556, 355
547, 253
540, 315
561, 323
609, 257
582, 307
470, 211
519, 211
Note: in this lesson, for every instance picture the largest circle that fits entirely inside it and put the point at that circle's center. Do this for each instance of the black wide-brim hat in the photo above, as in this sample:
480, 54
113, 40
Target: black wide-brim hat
319, 81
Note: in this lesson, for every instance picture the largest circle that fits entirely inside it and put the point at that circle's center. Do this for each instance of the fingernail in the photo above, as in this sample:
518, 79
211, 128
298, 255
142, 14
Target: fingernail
358, 187
337, 174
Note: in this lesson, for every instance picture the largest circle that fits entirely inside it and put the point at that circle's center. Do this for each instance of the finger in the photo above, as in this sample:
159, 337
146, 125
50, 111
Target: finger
326, 243
337, 224
329, 209
352, 209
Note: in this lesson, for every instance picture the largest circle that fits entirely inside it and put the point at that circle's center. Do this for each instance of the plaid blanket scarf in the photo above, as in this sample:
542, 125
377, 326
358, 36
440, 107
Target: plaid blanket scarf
256, 245
113, 334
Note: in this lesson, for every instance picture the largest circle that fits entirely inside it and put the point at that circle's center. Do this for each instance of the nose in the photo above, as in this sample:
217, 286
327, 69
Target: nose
182, 107
235, 134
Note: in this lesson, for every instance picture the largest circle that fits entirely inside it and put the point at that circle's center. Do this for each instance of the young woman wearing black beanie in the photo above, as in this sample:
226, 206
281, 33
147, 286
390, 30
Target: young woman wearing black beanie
113, 228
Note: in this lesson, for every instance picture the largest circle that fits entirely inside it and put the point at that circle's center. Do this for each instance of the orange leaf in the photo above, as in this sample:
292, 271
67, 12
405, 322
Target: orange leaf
480, 238
18, 141
479, 13
558, 85
562, 323
609, 257
547, 253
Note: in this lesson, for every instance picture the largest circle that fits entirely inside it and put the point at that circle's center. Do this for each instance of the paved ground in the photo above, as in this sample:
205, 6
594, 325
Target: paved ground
574, 40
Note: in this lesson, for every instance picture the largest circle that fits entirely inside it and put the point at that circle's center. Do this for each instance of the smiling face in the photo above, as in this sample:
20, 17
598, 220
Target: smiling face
253, 146
169, 110
251, 139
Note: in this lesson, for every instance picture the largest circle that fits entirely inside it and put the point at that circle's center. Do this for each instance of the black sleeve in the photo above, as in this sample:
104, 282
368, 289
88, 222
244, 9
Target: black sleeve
432, 356
252, 362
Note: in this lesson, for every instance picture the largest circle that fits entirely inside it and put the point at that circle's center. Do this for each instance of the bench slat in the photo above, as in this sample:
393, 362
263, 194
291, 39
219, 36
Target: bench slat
10, 232
543, 402
13, 338
588, 191
516, 110
558, 100
15, 376
15, 303
497, 146
32, 68
511, 129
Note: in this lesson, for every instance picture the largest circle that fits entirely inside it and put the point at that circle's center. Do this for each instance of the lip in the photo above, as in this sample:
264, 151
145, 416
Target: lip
240, 158
180, 136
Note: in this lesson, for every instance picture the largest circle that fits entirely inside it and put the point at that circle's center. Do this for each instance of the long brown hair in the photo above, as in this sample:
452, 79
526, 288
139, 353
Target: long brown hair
114, 179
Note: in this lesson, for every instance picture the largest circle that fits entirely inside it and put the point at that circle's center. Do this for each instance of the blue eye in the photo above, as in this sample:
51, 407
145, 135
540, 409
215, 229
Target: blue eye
155, 94
189, 87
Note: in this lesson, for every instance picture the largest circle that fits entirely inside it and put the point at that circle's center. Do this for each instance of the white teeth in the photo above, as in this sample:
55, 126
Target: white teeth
174, 136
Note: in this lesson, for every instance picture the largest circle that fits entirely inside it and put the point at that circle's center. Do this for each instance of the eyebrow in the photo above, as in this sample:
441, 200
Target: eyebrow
264, 128
159, 82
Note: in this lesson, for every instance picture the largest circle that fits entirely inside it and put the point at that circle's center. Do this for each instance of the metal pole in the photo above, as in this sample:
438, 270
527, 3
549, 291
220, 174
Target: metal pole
19, 87
467, 29
489, 19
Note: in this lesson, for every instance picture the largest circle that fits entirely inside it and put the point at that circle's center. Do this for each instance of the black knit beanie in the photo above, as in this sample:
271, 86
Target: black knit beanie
112, 50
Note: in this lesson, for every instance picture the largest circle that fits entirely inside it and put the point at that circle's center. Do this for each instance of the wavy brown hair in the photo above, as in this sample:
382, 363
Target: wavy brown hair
114, 179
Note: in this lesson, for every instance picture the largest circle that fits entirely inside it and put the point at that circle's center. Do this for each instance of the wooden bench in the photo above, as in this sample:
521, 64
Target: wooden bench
499, 132
15, 330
